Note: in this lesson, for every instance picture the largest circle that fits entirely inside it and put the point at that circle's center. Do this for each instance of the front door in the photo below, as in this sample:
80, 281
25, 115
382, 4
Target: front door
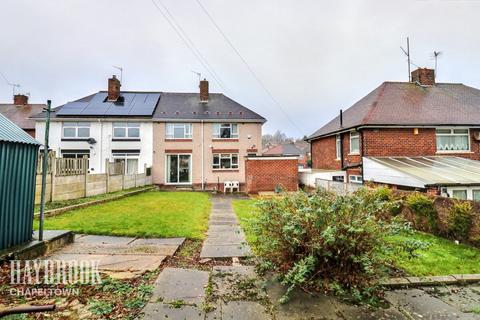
179, 168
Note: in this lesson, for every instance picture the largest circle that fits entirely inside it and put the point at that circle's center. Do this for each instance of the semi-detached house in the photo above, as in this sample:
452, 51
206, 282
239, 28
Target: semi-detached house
412, 135
195, 140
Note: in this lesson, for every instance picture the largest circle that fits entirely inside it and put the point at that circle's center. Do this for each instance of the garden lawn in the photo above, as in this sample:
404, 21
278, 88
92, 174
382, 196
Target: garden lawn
443, 257
246, 211
149, 214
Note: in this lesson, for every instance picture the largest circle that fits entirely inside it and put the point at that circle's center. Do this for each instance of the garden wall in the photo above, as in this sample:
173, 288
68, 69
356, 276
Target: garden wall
443, 207
266, 173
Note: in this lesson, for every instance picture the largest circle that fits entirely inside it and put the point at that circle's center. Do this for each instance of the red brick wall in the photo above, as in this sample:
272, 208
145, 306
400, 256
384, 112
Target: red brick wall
381, 143
324, 154
265, 175
403, 142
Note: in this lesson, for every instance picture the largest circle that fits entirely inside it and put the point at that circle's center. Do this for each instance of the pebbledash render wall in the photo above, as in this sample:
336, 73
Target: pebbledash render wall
249, 142
266, 173
383, 142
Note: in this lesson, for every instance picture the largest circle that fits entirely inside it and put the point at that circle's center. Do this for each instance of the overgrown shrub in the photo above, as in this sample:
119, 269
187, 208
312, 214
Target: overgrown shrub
320, 239
423, 207
460, 220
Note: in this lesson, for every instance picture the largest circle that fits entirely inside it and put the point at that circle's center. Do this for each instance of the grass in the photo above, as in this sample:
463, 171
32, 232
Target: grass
246, 211
442, 257
149, 214
66, 203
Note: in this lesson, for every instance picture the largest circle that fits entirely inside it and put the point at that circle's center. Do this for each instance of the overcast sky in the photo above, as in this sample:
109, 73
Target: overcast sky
314, 57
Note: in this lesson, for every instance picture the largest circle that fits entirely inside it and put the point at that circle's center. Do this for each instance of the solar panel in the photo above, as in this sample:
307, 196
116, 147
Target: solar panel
132, 104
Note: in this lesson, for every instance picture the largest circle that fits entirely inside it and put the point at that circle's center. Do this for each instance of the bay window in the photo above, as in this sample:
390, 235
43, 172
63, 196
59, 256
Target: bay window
225, 131
225, 161
452, 139
76, 130
354, 142
179, 131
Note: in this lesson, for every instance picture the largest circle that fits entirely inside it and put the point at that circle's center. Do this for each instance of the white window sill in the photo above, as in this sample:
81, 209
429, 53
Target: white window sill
354, 154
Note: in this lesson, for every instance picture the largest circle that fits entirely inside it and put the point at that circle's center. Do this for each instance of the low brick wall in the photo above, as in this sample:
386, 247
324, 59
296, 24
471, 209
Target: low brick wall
266, 173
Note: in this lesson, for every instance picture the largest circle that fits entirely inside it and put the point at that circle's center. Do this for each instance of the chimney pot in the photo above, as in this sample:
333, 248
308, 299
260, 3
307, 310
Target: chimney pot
204, 91
113, 88
20, 99
424, 76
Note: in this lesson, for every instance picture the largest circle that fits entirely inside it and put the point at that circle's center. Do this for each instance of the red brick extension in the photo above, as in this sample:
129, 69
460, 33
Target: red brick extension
265, 174
381, 143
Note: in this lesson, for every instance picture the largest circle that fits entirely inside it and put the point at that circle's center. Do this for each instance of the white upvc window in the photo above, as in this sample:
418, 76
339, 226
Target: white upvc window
76, 130
126, 130
225, 130
179, 131
129, 160
338, 147
354, 142
225, 161
355, 178
460, 194
453, 139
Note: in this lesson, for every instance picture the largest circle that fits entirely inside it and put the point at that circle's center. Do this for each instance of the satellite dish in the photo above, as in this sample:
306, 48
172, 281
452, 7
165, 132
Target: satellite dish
91, 141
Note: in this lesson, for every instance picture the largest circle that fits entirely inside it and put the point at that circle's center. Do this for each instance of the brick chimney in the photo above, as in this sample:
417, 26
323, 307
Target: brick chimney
204, 91
113, 88
20, 100
424, 76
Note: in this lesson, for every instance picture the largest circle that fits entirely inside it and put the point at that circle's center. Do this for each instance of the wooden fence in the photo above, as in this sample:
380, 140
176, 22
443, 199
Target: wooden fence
69, 179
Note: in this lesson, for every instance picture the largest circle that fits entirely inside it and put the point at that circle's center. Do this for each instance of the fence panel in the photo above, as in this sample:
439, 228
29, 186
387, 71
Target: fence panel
341, 188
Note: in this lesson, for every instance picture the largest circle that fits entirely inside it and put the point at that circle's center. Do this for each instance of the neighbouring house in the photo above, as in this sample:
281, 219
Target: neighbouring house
18, 164
20, 111
290, 149
412, 135
194, 140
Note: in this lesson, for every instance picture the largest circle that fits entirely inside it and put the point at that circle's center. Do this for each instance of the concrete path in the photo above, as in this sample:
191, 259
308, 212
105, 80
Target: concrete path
121, 257
225, 238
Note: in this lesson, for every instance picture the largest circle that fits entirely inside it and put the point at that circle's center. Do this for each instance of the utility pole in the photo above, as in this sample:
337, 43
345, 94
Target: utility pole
48, 109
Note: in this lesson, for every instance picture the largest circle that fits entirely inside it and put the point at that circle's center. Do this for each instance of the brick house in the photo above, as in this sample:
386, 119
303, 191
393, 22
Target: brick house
20, 111
421, 121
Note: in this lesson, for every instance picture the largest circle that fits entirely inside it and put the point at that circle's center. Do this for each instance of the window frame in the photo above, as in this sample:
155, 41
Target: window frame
357, 178
338, 147
453, 134
127, 126
354, 135
187, 133
217, 130
218, 166
178, 168
125, 156
75, 125
460, 190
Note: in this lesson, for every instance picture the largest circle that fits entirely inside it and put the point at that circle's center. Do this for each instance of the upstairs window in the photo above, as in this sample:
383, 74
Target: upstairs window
354, 142
76, 130
225, 131
452, 139
225, 161
338, 147
126, 130
179, 131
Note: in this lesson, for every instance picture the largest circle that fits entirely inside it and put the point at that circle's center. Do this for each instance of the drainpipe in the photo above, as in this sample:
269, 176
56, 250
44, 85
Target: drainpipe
203, 154
101, 145
363, 153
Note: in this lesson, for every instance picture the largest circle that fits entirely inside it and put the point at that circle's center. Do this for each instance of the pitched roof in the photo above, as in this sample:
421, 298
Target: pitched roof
20, 115
404, 103
171, 106
10, 132
284, 149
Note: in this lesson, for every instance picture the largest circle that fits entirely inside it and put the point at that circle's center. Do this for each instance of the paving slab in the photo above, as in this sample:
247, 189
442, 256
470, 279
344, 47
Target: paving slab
225, 251
420, 305
248, 271
244, 310
466, 298
93, 239
175, 284
364, 313
155, 311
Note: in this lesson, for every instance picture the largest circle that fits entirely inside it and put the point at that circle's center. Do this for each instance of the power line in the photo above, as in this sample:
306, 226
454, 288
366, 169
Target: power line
188, 42
250, 69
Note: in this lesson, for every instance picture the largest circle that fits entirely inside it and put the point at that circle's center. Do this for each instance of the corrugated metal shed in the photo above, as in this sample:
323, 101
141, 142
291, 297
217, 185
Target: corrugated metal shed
18, 161
422, 171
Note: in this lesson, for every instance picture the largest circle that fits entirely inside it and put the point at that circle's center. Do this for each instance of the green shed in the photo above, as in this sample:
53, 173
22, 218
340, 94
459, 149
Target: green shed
18, 164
